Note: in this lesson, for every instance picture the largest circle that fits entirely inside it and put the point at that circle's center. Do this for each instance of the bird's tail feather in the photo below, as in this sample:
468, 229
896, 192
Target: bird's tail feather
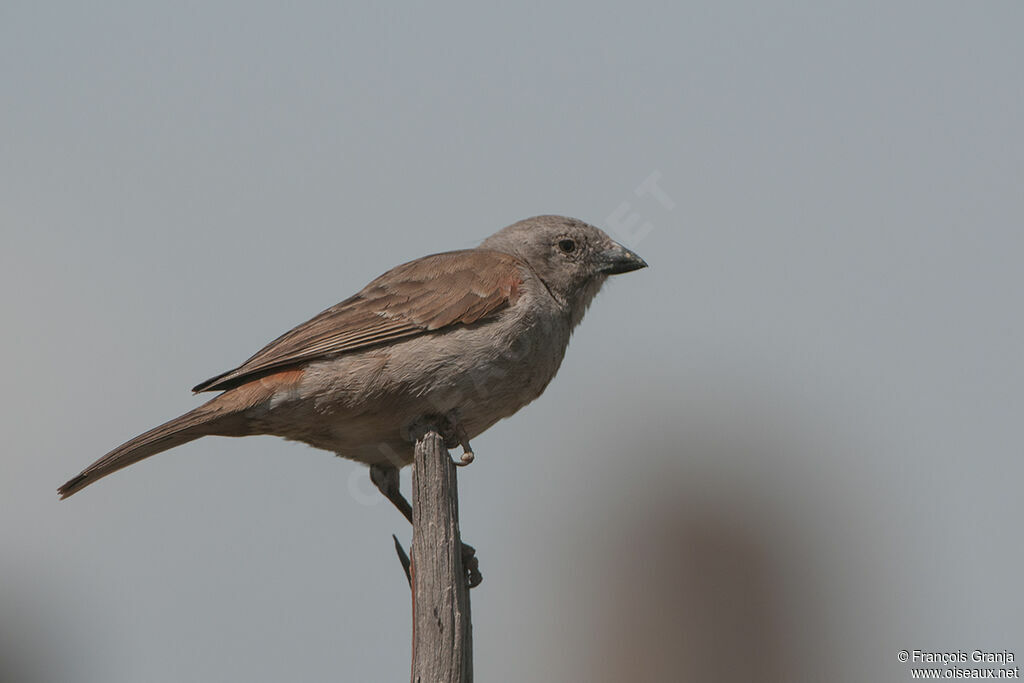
188, 427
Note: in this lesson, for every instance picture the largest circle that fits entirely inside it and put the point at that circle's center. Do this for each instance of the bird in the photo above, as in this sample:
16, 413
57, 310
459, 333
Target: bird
468, 336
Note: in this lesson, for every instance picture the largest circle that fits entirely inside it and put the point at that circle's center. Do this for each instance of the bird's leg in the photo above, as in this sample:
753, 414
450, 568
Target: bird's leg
386, 479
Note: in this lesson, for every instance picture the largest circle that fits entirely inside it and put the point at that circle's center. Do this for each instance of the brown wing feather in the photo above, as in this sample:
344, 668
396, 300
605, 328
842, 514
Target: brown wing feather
431, 293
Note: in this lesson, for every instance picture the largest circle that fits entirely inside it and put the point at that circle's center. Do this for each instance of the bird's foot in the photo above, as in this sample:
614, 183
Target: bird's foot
471, 565
454, 434
450, 430
467, 456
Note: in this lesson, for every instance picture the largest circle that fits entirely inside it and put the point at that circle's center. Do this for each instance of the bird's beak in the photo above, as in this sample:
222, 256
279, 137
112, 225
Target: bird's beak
617, 259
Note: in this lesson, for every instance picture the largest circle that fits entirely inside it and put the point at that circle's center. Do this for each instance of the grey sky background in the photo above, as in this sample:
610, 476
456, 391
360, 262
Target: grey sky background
786, 451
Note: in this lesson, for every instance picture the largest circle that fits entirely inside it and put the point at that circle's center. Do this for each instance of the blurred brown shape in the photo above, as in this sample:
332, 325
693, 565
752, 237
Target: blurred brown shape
691, 599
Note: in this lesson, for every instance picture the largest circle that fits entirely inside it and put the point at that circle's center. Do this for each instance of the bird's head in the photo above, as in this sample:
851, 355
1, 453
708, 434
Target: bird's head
573, 258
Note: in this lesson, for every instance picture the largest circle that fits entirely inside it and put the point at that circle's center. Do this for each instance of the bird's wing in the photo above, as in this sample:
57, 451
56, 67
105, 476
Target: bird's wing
419, 297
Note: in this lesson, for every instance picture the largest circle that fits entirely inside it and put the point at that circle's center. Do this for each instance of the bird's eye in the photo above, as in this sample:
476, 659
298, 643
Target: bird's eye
567, 246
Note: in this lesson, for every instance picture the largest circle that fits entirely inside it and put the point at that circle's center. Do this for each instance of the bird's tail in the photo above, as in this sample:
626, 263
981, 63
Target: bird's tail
188, 427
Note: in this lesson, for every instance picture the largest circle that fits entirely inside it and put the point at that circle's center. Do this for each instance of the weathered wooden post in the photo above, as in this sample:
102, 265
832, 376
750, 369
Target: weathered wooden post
442, 632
